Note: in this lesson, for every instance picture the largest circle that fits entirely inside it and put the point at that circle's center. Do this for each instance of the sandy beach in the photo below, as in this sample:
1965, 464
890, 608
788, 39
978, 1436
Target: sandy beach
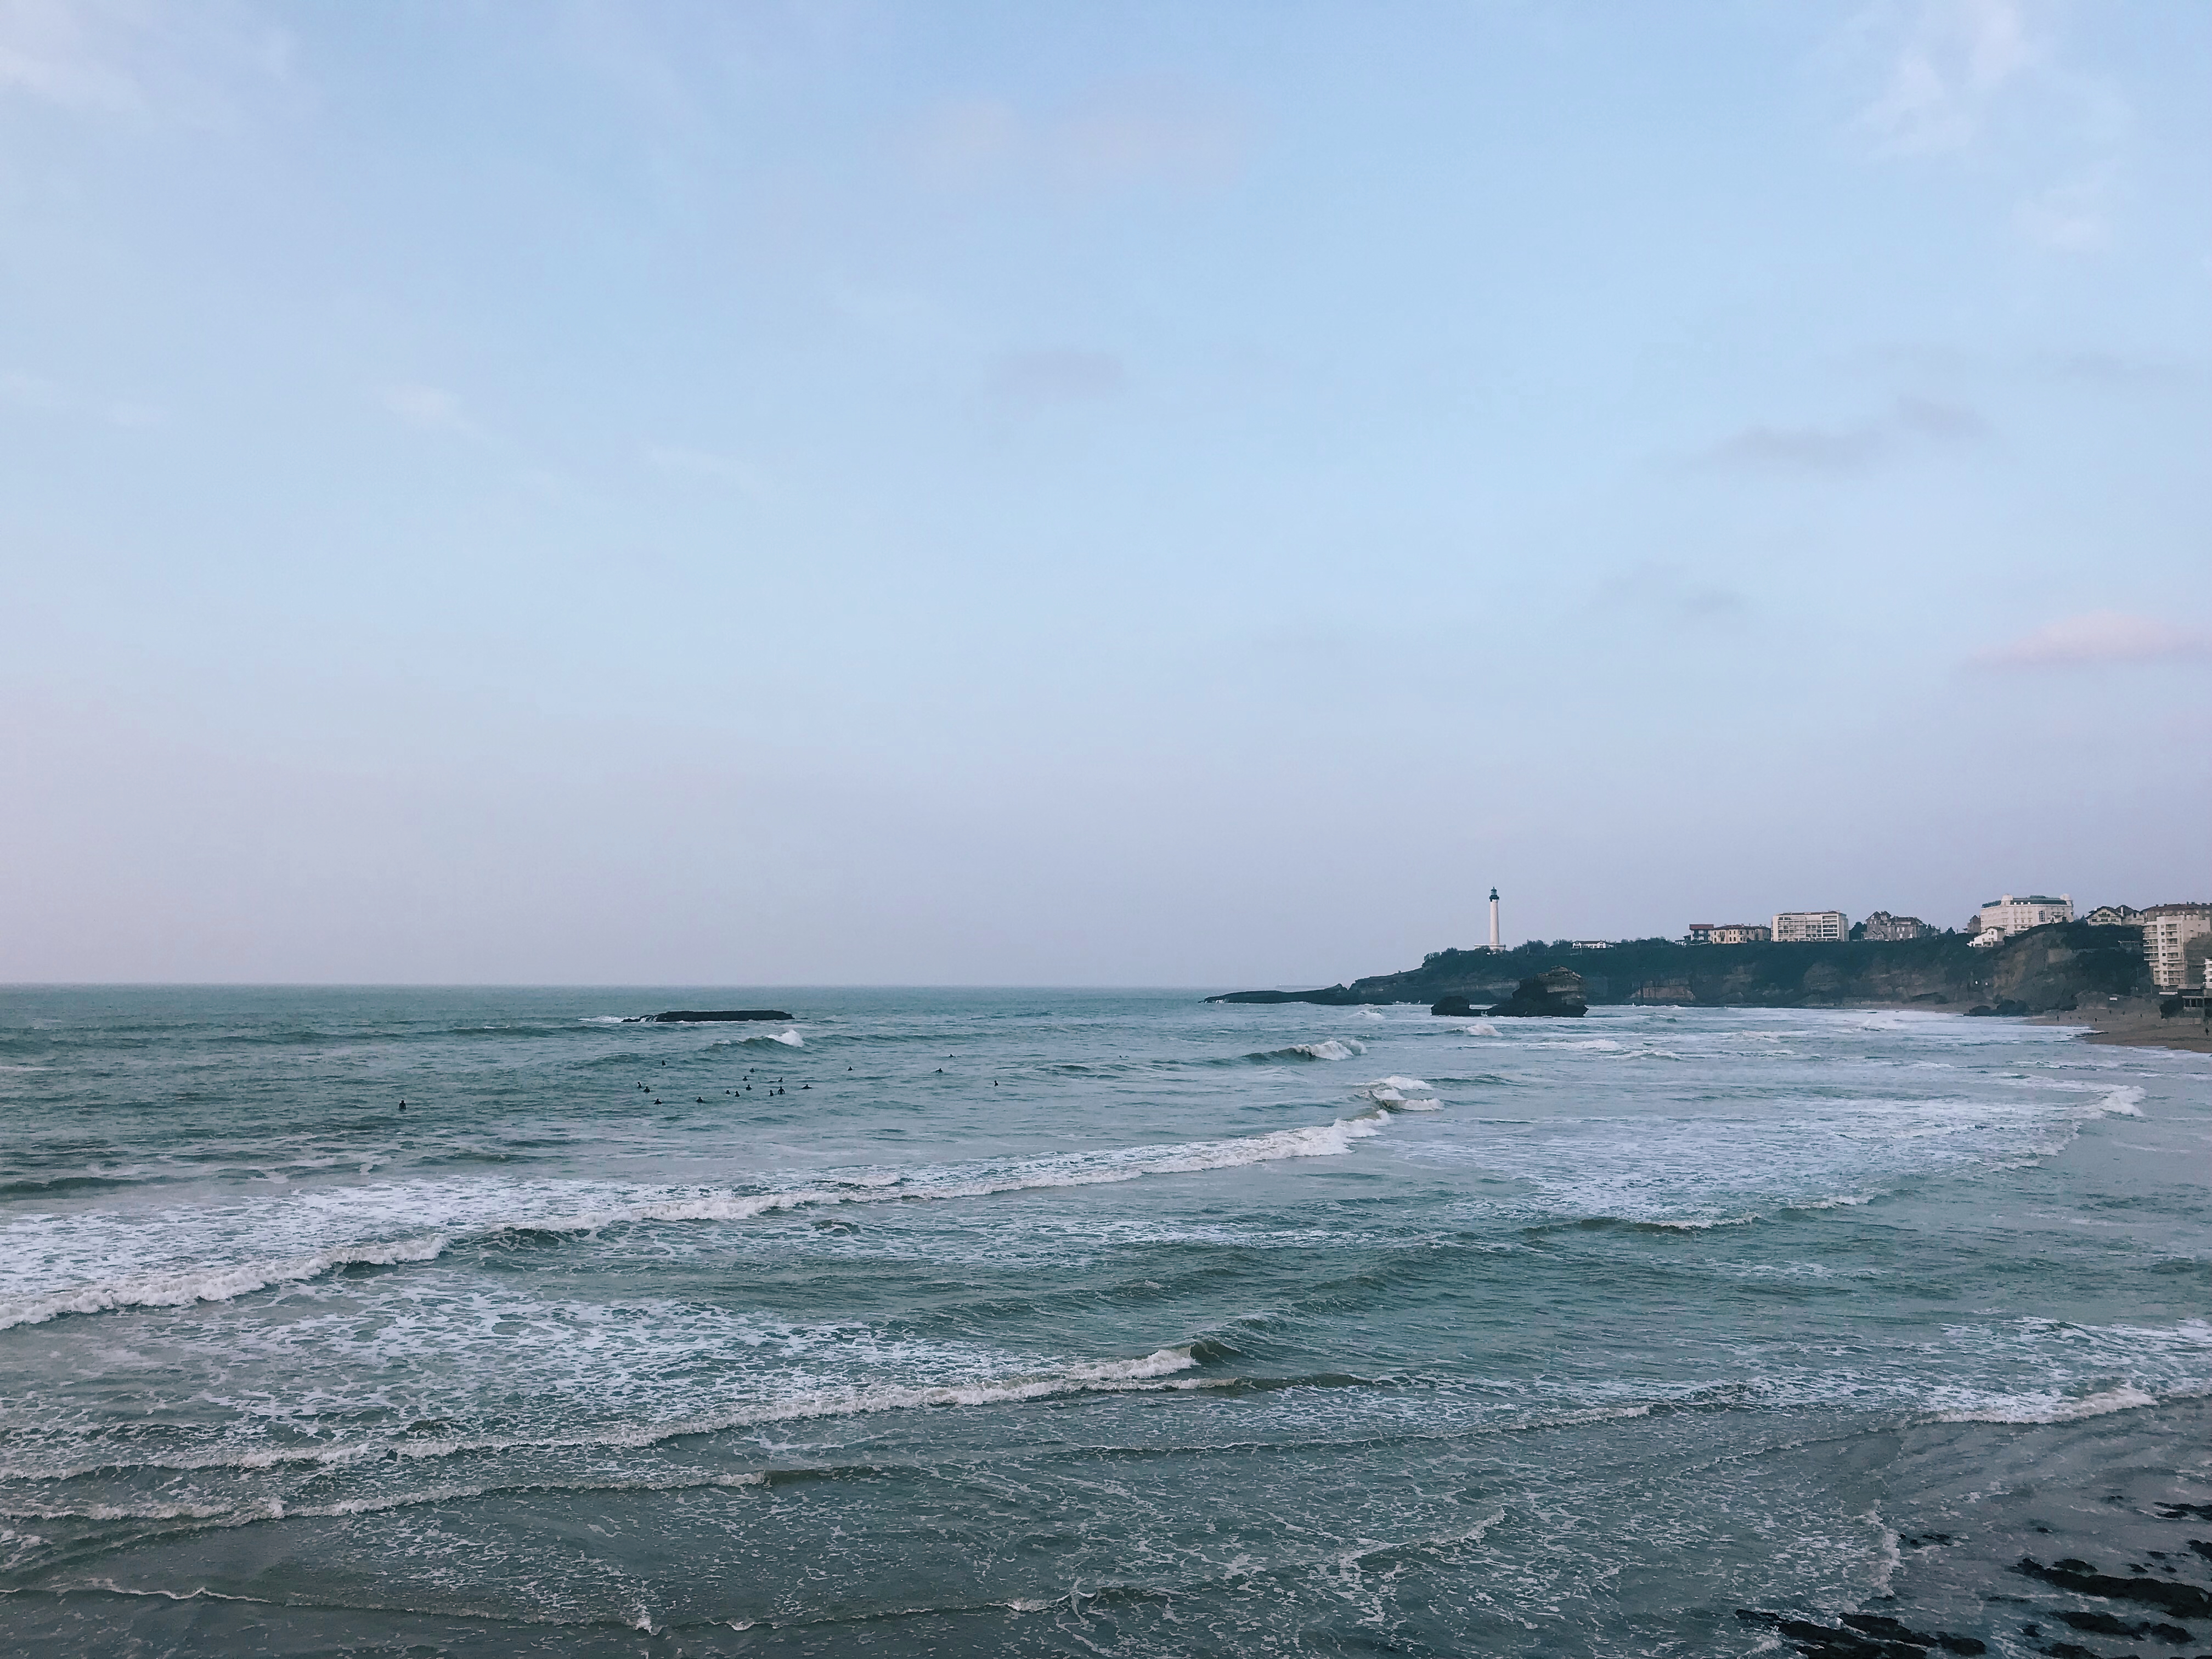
2134, 1023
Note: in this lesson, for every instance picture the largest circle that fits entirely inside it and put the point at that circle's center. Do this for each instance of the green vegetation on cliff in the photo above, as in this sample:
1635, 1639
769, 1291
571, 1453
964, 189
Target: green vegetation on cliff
2057, 967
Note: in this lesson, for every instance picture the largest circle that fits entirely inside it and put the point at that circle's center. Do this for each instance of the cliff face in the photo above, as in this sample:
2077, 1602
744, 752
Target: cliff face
2047, 969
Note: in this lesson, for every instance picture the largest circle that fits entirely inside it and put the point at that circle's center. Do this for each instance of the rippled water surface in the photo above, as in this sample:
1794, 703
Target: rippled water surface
1073, 1323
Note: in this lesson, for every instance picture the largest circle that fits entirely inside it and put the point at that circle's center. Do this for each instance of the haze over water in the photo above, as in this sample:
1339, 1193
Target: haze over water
1047, 1322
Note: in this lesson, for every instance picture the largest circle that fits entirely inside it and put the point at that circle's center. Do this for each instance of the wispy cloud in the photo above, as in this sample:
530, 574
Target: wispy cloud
1056, 377
50, 51
1142, 133
1988, 77
1909, 422
1955, 57
681, 461
34, 391
430, 409
1670, 590
141, 59
2100, 637
2074, 214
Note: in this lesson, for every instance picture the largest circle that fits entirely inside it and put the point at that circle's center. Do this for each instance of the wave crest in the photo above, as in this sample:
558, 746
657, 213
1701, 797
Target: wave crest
1327, 1049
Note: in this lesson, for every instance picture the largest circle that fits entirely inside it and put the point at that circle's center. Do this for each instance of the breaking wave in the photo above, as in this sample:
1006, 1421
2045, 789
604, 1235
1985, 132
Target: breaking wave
180, 1287
1404, 1094
176, 1290
1159, 1369
1327, 1049
2050, 1407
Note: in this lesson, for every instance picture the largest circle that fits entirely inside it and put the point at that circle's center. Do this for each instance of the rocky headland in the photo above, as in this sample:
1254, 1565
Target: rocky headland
2062, 968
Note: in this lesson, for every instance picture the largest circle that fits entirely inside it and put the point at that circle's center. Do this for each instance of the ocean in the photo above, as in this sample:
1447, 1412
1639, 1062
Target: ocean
1083, 1323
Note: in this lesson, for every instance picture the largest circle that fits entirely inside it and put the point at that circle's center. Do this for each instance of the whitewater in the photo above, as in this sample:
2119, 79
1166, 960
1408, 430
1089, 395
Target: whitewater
1078, 1323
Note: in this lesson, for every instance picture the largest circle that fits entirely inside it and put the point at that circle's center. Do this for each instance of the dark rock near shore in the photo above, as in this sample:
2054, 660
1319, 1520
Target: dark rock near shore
1557, 994
694, 1016
1861, 1636
1333, 996
2106, 1623
2186, 1601
1454, 1007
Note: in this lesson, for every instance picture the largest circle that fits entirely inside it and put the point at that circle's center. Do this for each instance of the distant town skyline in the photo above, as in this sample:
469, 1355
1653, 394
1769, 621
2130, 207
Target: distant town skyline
888, 493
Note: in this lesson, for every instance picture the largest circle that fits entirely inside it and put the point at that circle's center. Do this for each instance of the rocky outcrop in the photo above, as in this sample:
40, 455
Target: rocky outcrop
1557, 994
1454, 1007
2045, 970
1334, 996
694, 1016
1861, 1636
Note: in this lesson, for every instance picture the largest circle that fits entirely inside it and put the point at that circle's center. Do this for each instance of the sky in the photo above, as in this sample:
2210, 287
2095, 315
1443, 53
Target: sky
1127, 493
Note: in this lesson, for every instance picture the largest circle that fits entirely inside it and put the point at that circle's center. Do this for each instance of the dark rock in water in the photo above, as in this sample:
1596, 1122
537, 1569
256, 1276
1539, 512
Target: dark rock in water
2009, 1009
2107, 1624
2185, 1600
1454, 1007
1861, 1636
1892, 1630
689, 1015
1557, 995
1332, 996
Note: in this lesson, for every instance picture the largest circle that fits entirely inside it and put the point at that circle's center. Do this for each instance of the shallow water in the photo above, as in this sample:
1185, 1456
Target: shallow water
1073, 1323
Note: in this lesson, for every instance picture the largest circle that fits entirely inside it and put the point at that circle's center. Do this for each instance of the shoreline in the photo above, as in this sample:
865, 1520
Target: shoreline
2134, 1023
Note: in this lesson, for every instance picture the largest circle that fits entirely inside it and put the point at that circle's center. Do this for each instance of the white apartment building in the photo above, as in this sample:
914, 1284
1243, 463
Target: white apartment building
1804, 927
2168, 929
2000, 918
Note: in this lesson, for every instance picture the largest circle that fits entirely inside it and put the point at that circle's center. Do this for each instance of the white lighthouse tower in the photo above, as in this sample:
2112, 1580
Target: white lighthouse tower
1493, 918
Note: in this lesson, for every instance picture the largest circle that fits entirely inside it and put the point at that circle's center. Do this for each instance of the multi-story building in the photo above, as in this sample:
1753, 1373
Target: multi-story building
2000, 918
1883, 925
1701, 932
2197, 964
2114, 916
1806, 927
2168, 929
1739, 933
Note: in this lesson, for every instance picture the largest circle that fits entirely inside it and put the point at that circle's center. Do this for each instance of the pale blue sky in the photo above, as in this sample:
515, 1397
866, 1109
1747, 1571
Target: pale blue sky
1120, 494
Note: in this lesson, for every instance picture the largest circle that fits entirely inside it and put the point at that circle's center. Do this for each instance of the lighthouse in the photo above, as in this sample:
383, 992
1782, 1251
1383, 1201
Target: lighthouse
1493, 918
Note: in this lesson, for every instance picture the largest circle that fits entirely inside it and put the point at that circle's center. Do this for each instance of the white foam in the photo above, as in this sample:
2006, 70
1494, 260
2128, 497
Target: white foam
275, 1510
788, 1039
1327, 1048
2121, 1100
1150, 1373
532, 1208
221, 1283
1407, 1094
1481, 1028
2049, 1407
1892, 1557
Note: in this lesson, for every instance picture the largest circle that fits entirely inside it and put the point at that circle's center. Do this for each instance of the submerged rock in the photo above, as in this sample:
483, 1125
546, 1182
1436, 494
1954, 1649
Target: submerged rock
2186, 1600
1861, 1636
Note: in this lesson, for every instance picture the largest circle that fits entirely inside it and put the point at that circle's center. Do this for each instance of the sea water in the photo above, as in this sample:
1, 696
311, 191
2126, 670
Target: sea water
1076, 1323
